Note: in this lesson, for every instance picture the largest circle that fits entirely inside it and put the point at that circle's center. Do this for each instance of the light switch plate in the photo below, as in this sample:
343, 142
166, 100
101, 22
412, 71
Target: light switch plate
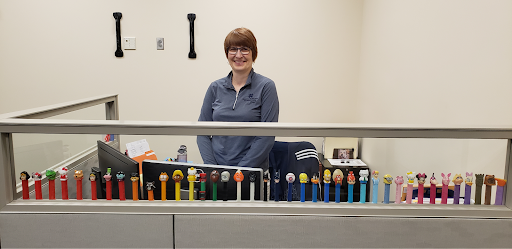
129, 43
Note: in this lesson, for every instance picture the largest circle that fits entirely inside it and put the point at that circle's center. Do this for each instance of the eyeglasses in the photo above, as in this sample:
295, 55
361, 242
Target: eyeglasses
243, 50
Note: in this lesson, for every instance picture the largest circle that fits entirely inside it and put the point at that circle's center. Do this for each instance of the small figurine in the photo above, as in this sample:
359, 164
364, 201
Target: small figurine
51, 175
108, 183
177, 176
150, 186
478, 190
163, 184
134, 177
303, 179
277, 175
238, 177
457, 180
24, 176
399, 180
421, 188
224, 177
214, 176
445, 181
265, 185
120, 183
63, 172
92, 178
315, 180
489, 182
433, 189
388, 180
467, 192
351, 180
252, 179
327, 181
37, 182
363, 179
375, 186
499, 191
202, 192
182, 154
410, 182
79, 175
191, 180
290, 178
338, 178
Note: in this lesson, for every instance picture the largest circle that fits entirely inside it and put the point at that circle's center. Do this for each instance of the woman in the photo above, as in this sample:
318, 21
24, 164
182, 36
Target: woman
241, 96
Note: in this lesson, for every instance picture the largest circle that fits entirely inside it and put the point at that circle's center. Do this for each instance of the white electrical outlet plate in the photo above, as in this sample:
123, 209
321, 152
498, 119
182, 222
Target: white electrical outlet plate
160, 43
129, 43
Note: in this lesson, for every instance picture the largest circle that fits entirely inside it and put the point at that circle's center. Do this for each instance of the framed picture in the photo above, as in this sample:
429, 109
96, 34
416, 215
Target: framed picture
343, 153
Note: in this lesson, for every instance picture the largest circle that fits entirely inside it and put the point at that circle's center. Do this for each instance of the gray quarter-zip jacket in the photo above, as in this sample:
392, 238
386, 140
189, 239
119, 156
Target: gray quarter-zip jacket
256, 101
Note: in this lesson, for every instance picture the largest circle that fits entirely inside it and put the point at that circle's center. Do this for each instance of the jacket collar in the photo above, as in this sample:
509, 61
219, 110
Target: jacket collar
229, 78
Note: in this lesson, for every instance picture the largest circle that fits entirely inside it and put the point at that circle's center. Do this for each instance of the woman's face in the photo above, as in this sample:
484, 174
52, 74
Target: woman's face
240, 63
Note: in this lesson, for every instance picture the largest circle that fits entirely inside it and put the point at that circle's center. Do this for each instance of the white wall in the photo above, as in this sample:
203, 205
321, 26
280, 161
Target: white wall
55, 51
435, 63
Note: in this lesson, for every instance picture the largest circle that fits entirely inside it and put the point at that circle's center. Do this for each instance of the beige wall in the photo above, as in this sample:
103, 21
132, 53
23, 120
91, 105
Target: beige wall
396, 61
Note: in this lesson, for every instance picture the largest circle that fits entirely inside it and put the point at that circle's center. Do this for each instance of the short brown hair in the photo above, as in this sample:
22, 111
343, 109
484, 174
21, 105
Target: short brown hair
241, 37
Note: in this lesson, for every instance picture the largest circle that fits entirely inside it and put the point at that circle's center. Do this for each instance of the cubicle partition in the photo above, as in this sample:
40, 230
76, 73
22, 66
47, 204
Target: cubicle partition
208, 224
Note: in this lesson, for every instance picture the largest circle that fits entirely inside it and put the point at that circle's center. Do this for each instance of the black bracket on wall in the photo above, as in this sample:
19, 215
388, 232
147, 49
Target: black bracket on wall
191, 18
118, 16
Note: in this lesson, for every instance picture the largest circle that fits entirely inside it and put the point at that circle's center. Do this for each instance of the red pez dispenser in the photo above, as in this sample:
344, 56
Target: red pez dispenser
24, 176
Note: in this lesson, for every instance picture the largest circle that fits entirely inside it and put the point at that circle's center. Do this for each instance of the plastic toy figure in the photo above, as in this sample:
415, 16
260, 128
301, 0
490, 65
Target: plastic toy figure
134, 177
399, 180
351, 180
410, 182
238, 177
445, 181
375, 186
388, 180
276, 184
202, 192
150, 186
478, 190
433, 189
191, 179
315, 180
177, 176
92, 178
224, 177
182, 154
163, 184
303, 179
489, 182
327, 181
79, 175
108, 182
120, 176
214, 176
265, 185
421, 188
363, 179
51, 175
290, 178
37, 183
63, 172
24, 176
499, 191
467, 192
338, 178
252, 179
457, 180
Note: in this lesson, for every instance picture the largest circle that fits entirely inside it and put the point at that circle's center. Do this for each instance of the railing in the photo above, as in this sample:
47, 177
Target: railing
10, 125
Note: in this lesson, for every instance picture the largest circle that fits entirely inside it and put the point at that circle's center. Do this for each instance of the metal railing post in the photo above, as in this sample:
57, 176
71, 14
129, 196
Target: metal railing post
7, 182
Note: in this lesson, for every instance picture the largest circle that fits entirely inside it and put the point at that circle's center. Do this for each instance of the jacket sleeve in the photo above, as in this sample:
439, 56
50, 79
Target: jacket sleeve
261, 146
205, 142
